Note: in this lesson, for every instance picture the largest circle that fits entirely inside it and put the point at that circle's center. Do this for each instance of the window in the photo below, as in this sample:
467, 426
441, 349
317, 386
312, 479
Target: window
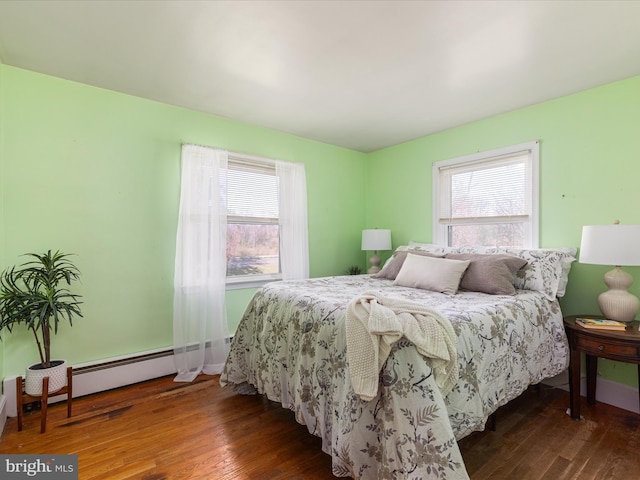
263, 205
488, 199
253, 231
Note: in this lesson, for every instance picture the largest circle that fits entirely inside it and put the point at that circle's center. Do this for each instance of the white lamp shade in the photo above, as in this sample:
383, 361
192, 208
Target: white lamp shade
376, 239
615, 244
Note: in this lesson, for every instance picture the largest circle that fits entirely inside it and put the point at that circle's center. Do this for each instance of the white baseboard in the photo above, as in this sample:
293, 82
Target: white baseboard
613, 393
105, 375
3, 412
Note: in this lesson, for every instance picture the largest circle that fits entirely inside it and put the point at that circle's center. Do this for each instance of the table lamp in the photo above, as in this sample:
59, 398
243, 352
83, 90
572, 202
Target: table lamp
376, 239
617, 245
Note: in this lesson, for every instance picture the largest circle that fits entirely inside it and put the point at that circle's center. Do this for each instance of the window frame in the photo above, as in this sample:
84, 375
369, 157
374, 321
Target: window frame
254, 163
440, 228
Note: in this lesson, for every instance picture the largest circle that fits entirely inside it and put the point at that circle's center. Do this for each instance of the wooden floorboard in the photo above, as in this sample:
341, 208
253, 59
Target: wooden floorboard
160, 430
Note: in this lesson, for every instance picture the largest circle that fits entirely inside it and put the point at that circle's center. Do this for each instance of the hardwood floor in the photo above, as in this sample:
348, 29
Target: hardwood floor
164, 430
536, 439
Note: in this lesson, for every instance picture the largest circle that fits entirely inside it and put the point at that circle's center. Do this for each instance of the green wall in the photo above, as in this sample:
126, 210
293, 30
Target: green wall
97, 173
589, 170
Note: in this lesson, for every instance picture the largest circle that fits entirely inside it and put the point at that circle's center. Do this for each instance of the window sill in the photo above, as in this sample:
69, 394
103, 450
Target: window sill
244, 283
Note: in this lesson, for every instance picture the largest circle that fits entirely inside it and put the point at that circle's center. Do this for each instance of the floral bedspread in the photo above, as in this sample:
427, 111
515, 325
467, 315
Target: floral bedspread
291, 346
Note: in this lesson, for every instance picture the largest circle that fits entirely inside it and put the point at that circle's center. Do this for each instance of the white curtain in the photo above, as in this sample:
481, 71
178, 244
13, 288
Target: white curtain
294, 241
200, 330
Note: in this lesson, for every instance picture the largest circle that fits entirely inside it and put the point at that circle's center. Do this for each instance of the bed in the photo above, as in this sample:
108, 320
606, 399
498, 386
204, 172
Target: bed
291, 345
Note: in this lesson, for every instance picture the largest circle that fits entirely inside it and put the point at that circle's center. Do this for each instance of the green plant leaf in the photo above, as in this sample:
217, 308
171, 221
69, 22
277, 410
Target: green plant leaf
32, 294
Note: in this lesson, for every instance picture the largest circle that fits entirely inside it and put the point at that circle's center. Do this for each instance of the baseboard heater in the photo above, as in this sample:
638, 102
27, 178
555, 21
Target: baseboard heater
105, 375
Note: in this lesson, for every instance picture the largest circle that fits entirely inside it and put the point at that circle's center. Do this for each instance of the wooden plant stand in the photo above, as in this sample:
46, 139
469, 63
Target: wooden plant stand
22, 398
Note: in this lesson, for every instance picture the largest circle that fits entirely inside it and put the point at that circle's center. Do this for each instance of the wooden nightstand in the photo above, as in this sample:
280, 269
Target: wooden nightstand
622, 346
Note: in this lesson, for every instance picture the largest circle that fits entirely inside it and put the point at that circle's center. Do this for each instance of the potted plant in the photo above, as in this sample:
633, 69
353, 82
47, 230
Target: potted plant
354, 270
36, 294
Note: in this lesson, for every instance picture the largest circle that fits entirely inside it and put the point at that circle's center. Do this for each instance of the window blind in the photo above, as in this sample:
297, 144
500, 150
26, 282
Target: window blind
252, 192
491, 190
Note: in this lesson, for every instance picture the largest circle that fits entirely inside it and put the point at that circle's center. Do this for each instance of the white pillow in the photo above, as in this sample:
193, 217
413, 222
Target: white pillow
439, 250
429, 273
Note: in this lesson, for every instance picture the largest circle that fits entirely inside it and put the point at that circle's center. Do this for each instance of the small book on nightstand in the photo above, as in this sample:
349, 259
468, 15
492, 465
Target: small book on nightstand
600, 323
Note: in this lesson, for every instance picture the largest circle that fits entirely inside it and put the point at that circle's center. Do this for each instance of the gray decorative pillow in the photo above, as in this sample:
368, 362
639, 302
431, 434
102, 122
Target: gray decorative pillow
394, 264
489, 273
546, 271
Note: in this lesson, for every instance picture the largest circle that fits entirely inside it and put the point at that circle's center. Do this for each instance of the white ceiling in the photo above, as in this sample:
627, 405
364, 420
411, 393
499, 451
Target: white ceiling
359, 74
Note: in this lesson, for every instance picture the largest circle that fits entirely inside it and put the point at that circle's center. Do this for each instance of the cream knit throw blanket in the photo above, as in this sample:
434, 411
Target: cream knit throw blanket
375, 322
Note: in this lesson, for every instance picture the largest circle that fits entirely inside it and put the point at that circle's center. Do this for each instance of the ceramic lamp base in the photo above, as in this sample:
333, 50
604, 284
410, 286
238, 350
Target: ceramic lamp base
375, 263
617, 303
